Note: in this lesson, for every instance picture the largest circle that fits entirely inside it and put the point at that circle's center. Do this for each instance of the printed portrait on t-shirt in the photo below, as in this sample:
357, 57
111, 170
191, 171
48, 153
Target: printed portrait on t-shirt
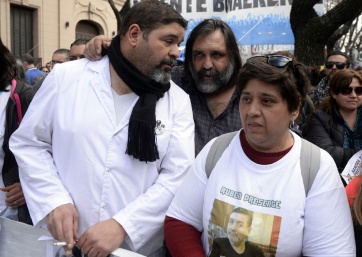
235, 231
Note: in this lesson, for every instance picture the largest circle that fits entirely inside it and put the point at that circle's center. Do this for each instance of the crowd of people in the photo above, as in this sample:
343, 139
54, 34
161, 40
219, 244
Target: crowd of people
112, 144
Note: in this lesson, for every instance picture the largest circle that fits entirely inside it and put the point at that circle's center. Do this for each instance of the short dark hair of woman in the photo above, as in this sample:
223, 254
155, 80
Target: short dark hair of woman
291, 81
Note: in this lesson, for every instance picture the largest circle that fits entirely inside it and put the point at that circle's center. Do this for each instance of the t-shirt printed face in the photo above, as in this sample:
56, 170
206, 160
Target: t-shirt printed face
236, 231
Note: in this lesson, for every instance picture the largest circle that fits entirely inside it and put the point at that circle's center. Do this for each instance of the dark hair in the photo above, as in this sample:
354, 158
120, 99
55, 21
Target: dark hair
291, 81
62, 51
358, 68
80, 41
339, 52
205, 28
27, 58
7, 67
245, 212
150, 15
341, 79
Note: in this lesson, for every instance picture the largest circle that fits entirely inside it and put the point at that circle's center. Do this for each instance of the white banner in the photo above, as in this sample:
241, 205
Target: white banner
254, 22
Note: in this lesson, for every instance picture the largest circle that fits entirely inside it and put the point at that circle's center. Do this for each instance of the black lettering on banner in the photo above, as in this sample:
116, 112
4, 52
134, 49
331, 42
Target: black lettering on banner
247, 5
189, 6
177, 5
219, 5
228, 6
259, 3
272, 3
282, 3
199, 5
237, 5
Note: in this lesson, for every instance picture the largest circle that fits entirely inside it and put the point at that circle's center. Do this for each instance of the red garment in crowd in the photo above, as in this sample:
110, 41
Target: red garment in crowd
352, 189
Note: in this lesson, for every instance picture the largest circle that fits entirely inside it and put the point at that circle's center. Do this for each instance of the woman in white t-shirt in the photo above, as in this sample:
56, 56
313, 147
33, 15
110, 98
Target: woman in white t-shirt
260, 172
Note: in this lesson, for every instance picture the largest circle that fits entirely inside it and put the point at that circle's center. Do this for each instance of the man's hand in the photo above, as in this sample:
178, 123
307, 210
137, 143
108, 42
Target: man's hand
93, 49
63, 225
102, 238
14, 195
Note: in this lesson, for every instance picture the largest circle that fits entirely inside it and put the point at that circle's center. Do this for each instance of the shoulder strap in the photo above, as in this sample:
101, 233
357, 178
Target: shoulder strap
309, 158
309, 163
216, 150
14, 95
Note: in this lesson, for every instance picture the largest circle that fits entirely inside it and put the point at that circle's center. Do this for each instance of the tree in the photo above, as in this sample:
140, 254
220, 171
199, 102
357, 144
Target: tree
312, 32
119, 14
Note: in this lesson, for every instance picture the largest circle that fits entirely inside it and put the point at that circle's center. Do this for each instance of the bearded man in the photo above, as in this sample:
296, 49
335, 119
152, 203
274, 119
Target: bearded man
212, 62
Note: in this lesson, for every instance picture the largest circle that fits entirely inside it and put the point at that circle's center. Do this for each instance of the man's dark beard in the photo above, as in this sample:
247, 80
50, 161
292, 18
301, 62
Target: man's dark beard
160, 76
219, 82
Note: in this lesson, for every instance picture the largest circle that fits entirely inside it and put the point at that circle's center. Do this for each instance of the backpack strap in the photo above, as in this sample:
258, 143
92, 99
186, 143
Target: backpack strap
310, 156
14, 95
216, 150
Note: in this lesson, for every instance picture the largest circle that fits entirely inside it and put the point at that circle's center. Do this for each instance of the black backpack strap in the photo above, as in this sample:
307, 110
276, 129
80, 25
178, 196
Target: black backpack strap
309, 163
216, 150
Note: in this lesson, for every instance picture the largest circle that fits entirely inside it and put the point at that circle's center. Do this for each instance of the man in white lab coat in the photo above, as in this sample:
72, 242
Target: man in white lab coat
105, 145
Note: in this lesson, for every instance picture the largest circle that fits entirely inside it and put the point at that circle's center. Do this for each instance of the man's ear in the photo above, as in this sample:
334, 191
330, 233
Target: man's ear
133, 34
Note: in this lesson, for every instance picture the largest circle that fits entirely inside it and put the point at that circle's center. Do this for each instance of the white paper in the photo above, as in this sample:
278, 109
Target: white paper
353, 167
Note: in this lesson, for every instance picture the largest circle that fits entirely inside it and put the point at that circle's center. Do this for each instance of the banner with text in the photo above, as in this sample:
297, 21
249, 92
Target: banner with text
254, 22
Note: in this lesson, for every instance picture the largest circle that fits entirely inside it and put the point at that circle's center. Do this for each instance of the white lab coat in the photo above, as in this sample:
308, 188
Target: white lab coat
70, 150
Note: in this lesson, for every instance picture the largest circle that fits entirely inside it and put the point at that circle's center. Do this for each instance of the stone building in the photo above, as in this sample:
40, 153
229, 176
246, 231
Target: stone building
40, 27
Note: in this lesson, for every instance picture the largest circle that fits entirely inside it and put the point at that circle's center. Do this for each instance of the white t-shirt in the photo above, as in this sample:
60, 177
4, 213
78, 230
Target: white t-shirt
5, 211
285, 222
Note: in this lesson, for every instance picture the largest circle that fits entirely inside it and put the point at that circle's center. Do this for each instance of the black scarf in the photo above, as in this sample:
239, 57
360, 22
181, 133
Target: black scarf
141, 143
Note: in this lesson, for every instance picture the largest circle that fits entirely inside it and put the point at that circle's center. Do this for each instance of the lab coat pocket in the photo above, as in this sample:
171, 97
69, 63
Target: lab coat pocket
163, 133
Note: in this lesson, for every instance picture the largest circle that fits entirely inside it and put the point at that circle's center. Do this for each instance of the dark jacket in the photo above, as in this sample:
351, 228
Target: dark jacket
328, 133
10, 172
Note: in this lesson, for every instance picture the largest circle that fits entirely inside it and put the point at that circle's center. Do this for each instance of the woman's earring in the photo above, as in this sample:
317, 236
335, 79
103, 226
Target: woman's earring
293, 125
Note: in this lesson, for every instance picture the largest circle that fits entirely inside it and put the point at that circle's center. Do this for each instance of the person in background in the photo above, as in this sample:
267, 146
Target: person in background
77, 49
60, 56
336, 60
354, 194
260, 171
12, 202
20, 71
336, 125
105, 145
212, 61
45, 70
31, 71
49, 65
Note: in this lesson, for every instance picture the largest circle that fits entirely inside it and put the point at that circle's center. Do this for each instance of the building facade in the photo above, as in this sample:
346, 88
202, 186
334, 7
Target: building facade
39, 27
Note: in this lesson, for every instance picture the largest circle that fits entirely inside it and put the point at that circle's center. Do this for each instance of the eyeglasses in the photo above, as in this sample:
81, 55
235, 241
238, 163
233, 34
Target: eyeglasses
278, 61
348, 90
339, 65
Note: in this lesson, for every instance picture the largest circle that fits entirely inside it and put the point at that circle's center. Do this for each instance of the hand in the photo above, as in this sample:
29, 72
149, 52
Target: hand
63, 225
14, 195
102, 238
93, 49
